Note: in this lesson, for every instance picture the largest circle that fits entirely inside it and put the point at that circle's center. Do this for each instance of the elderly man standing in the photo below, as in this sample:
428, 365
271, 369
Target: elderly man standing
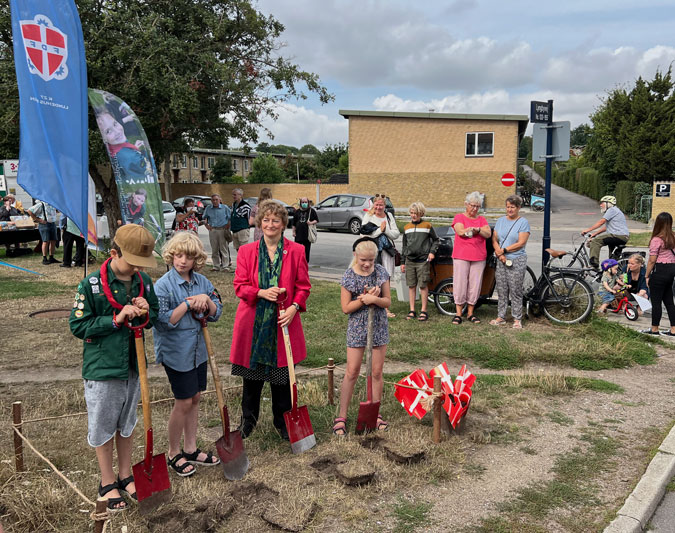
241, 212
217, 220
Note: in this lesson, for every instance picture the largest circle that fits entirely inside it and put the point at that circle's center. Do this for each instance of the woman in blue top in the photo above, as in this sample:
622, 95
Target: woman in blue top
180, 346
509, 239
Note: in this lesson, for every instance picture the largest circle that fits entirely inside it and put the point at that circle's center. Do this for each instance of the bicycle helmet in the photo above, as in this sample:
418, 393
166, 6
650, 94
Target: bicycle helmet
609, 199
608, 263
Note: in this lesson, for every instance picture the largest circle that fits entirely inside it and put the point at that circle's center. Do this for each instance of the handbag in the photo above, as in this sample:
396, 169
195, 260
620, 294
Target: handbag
397, 258
368, 228
312, 233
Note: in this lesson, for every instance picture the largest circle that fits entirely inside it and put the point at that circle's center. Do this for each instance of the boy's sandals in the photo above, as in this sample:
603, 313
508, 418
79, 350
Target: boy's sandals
517, 324
340, 427
192, 458
382, 424
457, 320
474, 319
122, 485
424, 316
115, 505
411, 315
181, 469
497, 322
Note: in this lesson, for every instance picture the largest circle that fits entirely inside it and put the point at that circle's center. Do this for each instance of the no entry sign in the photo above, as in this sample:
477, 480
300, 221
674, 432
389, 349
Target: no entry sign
508, 179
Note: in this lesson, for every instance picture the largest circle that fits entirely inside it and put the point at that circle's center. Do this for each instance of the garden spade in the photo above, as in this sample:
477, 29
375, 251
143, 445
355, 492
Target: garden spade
368, 410
230, 446
298, 424
151, 475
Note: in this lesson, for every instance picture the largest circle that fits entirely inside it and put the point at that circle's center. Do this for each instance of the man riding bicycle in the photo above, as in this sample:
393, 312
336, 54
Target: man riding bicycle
614, 222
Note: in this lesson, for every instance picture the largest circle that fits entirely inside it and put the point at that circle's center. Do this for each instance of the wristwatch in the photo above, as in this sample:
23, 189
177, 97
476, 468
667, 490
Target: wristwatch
296, 305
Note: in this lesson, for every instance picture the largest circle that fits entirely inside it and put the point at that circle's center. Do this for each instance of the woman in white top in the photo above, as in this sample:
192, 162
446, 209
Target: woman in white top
385, 225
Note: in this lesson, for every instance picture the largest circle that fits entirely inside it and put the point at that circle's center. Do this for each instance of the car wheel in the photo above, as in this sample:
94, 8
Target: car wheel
355, 226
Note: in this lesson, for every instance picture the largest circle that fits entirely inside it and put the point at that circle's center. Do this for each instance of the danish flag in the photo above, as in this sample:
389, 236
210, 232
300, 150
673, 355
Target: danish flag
46, 48
411, 399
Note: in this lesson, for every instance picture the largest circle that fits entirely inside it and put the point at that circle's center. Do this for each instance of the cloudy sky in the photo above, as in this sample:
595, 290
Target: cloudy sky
465, 56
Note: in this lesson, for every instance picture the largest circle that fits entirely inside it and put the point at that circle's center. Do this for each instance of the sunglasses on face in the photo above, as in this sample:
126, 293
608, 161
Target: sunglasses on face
380, 196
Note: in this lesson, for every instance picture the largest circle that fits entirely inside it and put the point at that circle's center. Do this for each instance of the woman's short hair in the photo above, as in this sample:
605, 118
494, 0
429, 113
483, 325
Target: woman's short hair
516, 200
418, 207
474, 198
271, 207
185, 242
188, 201
638, 258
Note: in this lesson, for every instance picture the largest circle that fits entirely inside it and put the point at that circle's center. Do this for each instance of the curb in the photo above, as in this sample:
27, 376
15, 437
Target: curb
639, 507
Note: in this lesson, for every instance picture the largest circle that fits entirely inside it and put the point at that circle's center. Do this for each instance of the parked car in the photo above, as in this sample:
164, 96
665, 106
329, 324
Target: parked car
169, 217
201, 203
291, 210
345, 211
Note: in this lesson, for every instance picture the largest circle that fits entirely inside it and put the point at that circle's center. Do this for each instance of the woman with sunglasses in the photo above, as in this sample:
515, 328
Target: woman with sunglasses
468, 256
386, 225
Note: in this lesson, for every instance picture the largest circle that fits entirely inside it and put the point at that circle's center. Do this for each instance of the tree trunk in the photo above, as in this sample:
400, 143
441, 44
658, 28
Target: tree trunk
108, 191
167, 177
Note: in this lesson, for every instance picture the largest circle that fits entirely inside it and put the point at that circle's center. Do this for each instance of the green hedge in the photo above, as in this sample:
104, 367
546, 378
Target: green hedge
625, 195
589, 183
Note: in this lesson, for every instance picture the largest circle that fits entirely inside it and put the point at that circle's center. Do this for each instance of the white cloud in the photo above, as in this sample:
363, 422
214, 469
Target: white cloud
297, 126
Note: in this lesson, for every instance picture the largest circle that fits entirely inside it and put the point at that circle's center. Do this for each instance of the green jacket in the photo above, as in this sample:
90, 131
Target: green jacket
419, 240
106, 349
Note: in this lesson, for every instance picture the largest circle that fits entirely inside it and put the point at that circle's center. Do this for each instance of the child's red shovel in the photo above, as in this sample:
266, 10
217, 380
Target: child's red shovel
368, 410
151, 475
298, 424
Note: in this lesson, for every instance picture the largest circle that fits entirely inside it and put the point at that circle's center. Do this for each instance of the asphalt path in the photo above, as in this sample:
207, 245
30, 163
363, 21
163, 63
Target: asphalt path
570, 214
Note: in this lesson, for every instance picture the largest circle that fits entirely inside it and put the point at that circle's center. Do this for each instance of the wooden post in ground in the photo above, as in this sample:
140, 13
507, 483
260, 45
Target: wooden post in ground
101, 507
331, 387
438, 408
18, 442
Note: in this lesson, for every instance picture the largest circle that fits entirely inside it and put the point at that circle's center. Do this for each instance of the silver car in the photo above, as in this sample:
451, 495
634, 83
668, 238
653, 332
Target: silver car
345, 211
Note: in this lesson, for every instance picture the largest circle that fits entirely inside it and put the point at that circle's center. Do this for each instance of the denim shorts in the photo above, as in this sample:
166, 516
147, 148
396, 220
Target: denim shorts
185, 385
606, 297
47, 231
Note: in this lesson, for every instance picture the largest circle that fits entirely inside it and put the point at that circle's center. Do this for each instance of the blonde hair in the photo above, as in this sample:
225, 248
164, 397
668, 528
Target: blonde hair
271, 207
638, 258
376, 199
364, 247
418, 207
185, 242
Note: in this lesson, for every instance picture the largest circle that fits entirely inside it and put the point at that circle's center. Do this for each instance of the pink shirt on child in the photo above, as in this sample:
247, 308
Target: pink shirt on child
663, 254
469, 248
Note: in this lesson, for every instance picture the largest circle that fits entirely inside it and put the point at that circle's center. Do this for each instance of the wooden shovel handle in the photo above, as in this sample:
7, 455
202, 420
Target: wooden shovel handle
216, 378
145, 391
289, 357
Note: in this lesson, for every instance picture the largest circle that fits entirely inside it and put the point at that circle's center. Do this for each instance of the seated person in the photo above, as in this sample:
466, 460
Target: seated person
635, 277
613, 221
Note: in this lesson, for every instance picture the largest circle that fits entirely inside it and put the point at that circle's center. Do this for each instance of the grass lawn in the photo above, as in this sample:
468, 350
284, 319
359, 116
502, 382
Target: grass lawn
639, 238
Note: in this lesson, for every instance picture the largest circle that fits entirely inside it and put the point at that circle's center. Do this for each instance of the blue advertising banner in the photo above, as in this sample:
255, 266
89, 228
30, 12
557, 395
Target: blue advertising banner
52, 78
132, 163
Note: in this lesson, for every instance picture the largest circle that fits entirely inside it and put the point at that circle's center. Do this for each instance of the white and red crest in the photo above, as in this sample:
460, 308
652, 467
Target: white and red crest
46, 48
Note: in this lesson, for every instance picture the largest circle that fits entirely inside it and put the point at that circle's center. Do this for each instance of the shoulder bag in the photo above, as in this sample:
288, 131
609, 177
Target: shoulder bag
312, 233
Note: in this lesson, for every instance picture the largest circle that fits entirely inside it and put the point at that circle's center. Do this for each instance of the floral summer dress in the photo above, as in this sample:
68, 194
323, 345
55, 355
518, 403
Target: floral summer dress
357, 327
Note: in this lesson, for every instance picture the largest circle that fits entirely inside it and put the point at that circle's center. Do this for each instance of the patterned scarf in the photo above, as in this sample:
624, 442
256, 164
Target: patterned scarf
264, 345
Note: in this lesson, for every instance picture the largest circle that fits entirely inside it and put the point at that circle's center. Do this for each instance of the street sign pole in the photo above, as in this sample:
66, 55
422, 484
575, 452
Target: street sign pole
546, 241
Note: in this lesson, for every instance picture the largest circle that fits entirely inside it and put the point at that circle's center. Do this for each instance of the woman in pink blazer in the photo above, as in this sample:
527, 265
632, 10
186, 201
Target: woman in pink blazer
257, 354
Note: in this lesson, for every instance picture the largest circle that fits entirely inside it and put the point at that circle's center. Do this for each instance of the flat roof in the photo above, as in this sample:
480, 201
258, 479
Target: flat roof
404, 114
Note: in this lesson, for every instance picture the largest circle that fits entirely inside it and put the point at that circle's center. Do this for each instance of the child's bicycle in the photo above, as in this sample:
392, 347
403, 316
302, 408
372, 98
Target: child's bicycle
622, 303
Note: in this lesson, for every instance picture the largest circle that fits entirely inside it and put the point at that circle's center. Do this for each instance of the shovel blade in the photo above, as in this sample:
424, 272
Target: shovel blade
367, 419
153, 487
233, 456
300, 431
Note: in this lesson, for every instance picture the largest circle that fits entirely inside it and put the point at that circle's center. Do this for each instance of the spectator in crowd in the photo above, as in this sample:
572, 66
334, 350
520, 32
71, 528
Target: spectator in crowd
216, 218
71, 235
636, 277
304, 217
241, 212
186, 219
614, 222
46, 216
265, 194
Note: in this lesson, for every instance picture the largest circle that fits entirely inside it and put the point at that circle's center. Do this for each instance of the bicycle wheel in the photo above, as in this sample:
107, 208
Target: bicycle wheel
528, 283
572, 301
630, 312
539, 206
443, 299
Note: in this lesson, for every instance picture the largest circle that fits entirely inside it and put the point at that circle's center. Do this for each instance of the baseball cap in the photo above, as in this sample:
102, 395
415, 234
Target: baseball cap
137, 245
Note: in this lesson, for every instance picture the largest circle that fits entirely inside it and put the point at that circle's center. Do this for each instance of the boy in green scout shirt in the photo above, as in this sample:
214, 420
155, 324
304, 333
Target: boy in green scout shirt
118, 292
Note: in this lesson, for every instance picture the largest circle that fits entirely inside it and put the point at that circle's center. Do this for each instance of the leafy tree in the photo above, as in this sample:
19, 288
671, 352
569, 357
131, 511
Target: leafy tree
263, 148
634, 132
222, 170
283, 149
525, 147
579, 136
266, 170
306, 168
195, 73
328, 161
343, 164
309, 149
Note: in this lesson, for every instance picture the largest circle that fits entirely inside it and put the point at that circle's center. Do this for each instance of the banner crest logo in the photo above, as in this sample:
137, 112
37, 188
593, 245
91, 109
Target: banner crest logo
46, 48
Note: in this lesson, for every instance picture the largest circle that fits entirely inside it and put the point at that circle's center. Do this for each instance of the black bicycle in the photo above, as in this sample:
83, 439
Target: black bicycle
560, 293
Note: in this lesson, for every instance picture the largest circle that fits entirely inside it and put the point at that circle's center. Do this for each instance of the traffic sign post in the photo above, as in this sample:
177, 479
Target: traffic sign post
508, 179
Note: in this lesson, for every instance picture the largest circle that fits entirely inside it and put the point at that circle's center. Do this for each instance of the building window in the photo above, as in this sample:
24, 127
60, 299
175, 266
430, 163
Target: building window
235, 164
183, 161
203, 163
212, 162
195, 162
175, 161
246, 165
479, 144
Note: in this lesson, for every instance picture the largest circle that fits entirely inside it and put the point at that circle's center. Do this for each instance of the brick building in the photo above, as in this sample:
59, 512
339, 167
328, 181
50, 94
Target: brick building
436, 158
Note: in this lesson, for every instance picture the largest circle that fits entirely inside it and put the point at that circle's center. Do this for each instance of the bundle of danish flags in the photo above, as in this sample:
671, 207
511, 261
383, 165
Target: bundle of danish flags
457, 395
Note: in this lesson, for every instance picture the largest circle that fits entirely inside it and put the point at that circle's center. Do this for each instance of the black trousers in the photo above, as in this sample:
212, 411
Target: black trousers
68, 240
250, 401
661, 291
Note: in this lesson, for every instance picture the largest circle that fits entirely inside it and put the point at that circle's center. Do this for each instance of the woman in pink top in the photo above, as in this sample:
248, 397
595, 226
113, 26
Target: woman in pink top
661, 272
468, 256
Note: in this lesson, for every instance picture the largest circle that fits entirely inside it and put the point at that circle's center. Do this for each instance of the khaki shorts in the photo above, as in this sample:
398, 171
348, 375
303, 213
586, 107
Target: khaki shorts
417, 274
